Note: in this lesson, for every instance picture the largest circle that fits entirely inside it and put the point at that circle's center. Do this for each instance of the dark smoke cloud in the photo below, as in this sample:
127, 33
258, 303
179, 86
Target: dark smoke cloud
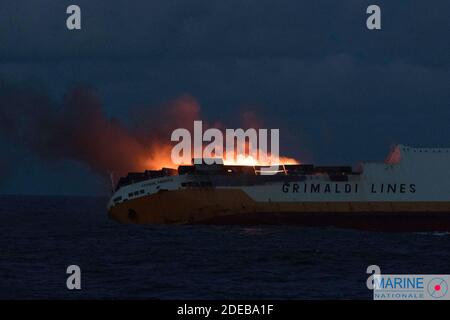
78, 129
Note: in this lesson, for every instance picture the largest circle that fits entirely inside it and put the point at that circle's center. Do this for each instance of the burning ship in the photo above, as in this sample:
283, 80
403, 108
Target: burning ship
409, 191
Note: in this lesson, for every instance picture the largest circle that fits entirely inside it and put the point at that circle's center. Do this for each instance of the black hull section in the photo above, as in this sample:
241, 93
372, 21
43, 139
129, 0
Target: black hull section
373, 221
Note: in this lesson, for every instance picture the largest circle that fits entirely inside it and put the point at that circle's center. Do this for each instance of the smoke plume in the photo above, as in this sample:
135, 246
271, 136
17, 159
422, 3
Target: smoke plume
78, 129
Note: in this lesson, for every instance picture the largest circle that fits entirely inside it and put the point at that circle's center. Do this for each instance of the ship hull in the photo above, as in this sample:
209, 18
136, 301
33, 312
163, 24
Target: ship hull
236, 207
373, 221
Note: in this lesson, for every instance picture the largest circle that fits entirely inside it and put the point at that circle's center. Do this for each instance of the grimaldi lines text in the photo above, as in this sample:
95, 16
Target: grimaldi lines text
348, 188
409, 191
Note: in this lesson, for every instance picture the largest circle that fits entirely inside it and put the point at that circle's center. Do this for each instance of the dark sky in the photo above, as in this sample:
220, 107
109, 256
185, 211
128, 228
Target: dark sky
338, 92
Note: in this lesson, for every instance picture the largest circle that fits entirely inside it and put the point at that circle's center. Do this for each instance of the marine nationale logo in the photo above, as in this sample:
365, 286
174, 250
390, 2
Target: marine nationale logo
437, 288
407, 286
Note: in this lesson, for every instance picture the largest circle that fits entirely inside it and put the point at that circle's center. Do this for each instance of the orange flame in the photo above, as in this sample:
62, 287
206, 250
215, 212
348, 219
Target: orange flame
163, 160
247, 160
236, 157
